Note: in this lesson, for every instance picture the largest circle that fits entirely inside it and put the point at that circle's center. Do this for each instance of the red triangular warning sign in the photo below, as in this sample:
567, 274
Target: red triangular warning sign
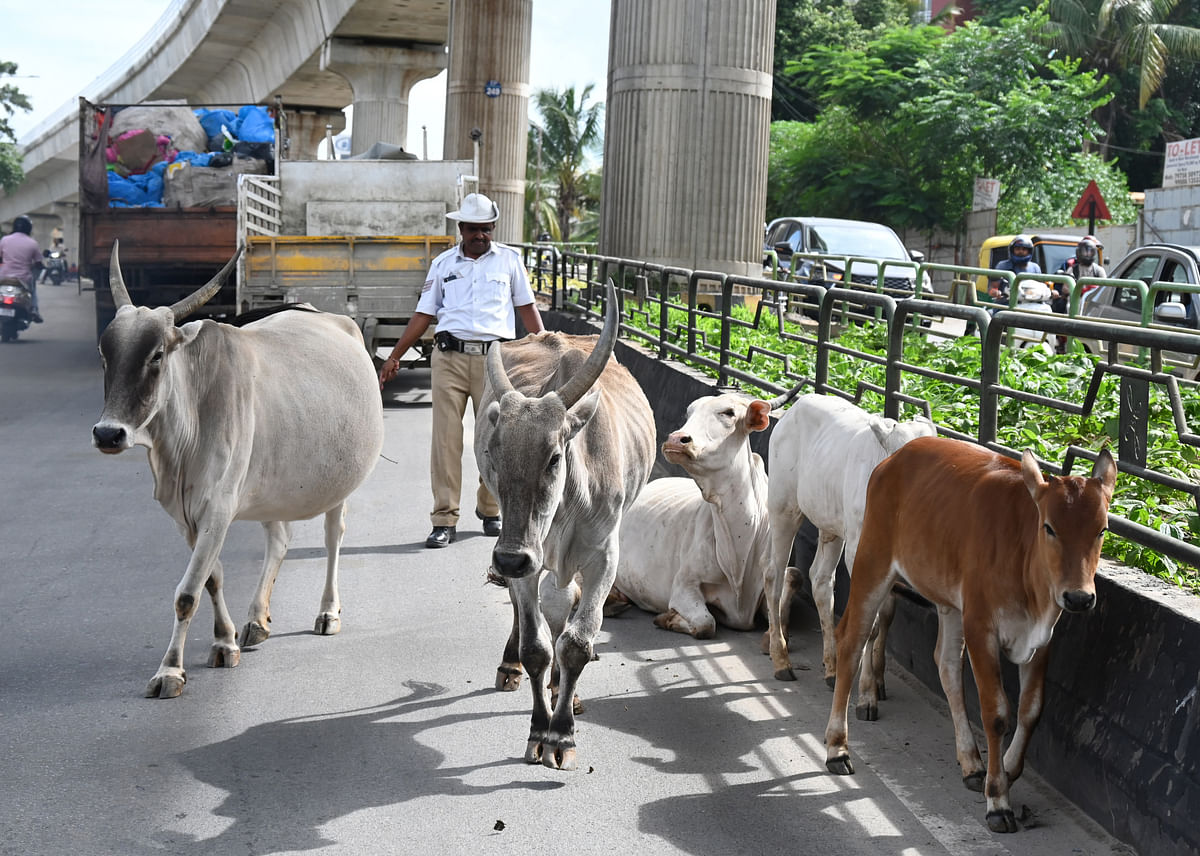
1084, 210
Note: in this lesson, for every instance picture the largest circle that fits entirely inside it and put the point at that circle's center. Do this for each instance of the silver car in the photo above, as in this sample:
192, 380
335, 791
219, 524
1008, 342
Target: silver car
1162, 263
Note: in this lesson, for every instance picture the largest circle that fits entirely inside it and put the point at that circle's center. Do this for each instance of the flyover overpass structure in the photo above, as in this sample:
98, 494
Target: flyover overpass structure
317, 56
687, 124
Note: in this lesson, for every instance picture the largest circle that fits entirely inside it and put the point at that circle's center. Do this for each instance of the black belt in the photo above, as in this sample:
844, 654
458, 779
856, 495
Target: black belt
448, 342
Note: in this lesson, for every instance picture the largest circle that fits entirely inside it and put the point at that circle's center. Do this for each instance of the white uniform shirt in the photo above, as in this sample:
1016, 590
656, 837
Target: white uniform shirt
473, 299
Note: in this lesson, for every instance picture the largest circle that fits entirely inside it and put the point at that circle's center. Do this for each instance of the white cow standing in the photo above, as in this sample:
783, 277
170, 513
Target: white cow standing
688, 544
276, 421
822, 454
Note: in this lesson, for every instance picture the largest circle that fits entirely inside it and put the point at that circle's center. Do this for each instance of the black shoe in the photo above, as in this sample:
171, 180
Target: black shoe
441, 536
37, 319
491, 525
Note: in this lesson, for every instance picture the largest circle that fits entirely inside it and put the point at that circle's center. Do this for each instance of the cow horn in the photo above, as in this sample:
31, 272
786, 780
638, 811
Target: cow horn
575, 388
779, 401
496, 375
185, 307
116, 282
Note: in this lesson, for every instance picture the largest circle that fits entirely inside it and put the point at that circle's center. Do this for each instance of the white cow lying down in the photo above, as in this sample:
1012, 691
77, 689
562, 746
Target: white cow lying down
822, 453
691, 543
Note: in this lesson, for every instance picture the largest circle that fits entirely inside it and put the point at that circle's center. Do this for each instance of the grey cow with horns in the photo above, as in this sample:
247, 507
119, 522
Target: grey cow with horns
565, 439
233, 432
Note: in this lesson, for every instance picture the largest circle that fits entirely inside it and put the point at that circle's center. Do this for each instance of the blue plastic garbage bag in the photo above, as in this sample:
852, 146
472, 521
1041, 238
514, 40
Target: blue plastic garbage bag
254, 125
135, 191
212, 120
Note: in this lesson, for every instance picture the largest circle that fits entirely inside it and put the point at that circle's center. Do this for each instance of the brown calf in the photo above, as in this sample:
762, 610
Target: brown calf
1003, 553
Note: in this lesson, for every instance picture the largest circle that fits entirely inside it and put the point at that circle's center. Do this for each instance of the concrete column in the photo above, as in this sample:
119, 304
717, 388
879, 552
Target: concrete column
687, 132
381, 76
68, 213
488, 89
306, 129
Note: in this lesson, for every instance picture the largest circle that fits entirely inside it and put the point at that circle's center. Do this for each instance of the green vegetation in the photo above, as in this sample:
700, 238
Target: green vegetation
11, 99
562, 187
1044, 430
879, 118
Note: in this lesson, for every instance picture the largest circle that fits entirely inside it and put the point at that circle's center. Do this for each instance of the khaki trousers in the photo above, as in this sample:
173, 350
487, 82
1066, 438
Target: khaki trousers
456, 377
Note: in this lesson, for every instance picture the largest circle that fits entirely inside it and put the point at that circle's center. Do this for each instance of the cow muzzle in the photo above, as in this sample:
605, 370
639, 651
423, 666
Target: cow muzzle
678, 449
1078, 600
513, 566
110, 439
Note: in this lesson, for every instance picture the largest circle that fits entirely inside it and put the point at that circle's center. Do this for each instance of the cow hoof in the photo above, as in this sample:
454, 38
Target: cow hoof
831, 681
508, 680
533, 752
253, 633
327, 624
840, 765
974, 782
224, 656
868, 712
1001, 821
562, 758
668, 620
166, 686
785, 674
576, 703
616, 603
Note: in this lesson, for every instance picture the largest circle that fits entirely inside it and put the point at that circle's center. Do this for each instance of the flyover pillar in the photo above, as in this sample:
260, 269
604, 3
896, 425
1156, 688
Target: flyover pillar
687, 132
488, 89
381, 76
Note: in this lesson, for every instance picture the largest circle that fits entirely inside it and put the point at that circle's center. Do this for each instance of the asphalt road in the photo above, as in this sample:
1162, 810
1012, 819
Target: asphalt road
389, 738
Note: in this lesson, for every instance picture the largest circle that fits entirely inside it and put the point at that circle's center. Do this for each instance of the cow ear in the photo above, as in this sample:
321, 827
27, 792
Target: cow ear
758, 416
1032, 473
1106, 471
584, 410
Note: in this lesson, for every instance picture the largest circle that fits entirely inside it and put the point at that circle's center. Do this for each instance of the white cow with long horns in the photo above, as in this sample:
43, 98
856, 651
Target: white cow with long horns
235, 431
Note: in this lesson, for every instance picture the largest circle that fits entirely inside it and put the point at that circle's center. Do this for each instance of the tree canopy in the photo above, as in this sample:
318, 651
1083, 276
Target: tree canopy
911, 119
11, 99
562, 188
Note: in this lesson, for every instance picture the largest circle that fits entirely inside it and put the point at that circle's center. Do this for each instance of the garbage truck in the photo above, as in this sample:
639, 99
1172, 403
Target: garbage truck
147, 178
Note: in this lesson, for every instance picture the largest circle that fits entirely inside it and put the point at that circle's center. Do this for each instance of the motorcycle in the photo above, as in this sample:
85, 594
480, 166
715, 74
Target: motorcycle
55, 265
16, 309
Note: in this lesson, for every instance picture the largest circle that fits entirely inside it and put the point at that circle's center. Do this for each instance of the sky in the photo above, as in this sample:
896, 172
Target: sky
569, 48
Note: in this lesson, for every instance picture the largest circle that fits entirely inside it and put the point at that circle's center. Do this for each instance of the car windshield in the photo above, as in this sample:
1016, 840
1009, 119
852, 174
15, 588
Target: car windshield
866, 243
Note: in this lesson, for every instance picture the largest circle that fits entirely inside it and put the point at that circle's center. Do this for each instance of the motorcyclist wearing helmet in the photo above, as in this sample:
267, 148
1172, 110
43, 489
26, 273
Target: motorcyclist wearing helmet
1086, 262
21, 258
1020, 260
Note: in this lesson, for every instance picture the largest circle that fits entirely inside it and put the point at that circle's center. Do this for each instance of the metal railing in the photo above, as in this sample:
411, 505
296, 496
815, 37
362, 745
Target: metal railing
661, 313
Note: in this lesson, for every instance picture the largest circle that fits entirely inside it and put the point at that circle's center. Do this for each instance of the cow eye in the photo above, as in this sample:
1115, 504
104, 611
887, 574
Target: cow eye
728, 413
554, 459
157, 358
1049, 530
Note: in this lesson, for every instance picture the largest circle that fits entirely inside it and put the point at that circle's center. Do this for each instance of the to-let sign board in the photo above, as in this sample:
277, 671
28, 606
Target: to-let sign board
1182, 165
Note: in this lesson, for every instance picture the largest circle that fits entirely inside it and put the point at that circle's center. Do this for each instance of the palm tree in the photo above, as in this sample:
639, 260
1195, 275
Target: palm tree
1138, 37
559, 150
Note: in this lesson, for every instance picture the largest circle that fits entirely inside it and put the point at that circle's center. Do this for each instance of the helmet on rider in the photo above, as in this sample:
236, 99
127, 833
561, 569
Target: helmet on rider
1020, 250
22, 223
1087, 249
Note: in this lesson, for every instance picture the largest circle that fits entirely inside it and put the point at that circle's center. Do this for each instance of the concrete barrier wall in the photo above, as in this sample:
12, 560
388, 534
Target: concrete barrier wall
1120, 733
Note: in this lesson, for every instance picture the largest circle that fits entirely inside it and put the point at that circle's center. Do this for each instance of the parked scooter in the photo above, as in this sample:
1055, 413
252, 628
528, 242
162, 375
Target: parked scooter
55, 265
16, 309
